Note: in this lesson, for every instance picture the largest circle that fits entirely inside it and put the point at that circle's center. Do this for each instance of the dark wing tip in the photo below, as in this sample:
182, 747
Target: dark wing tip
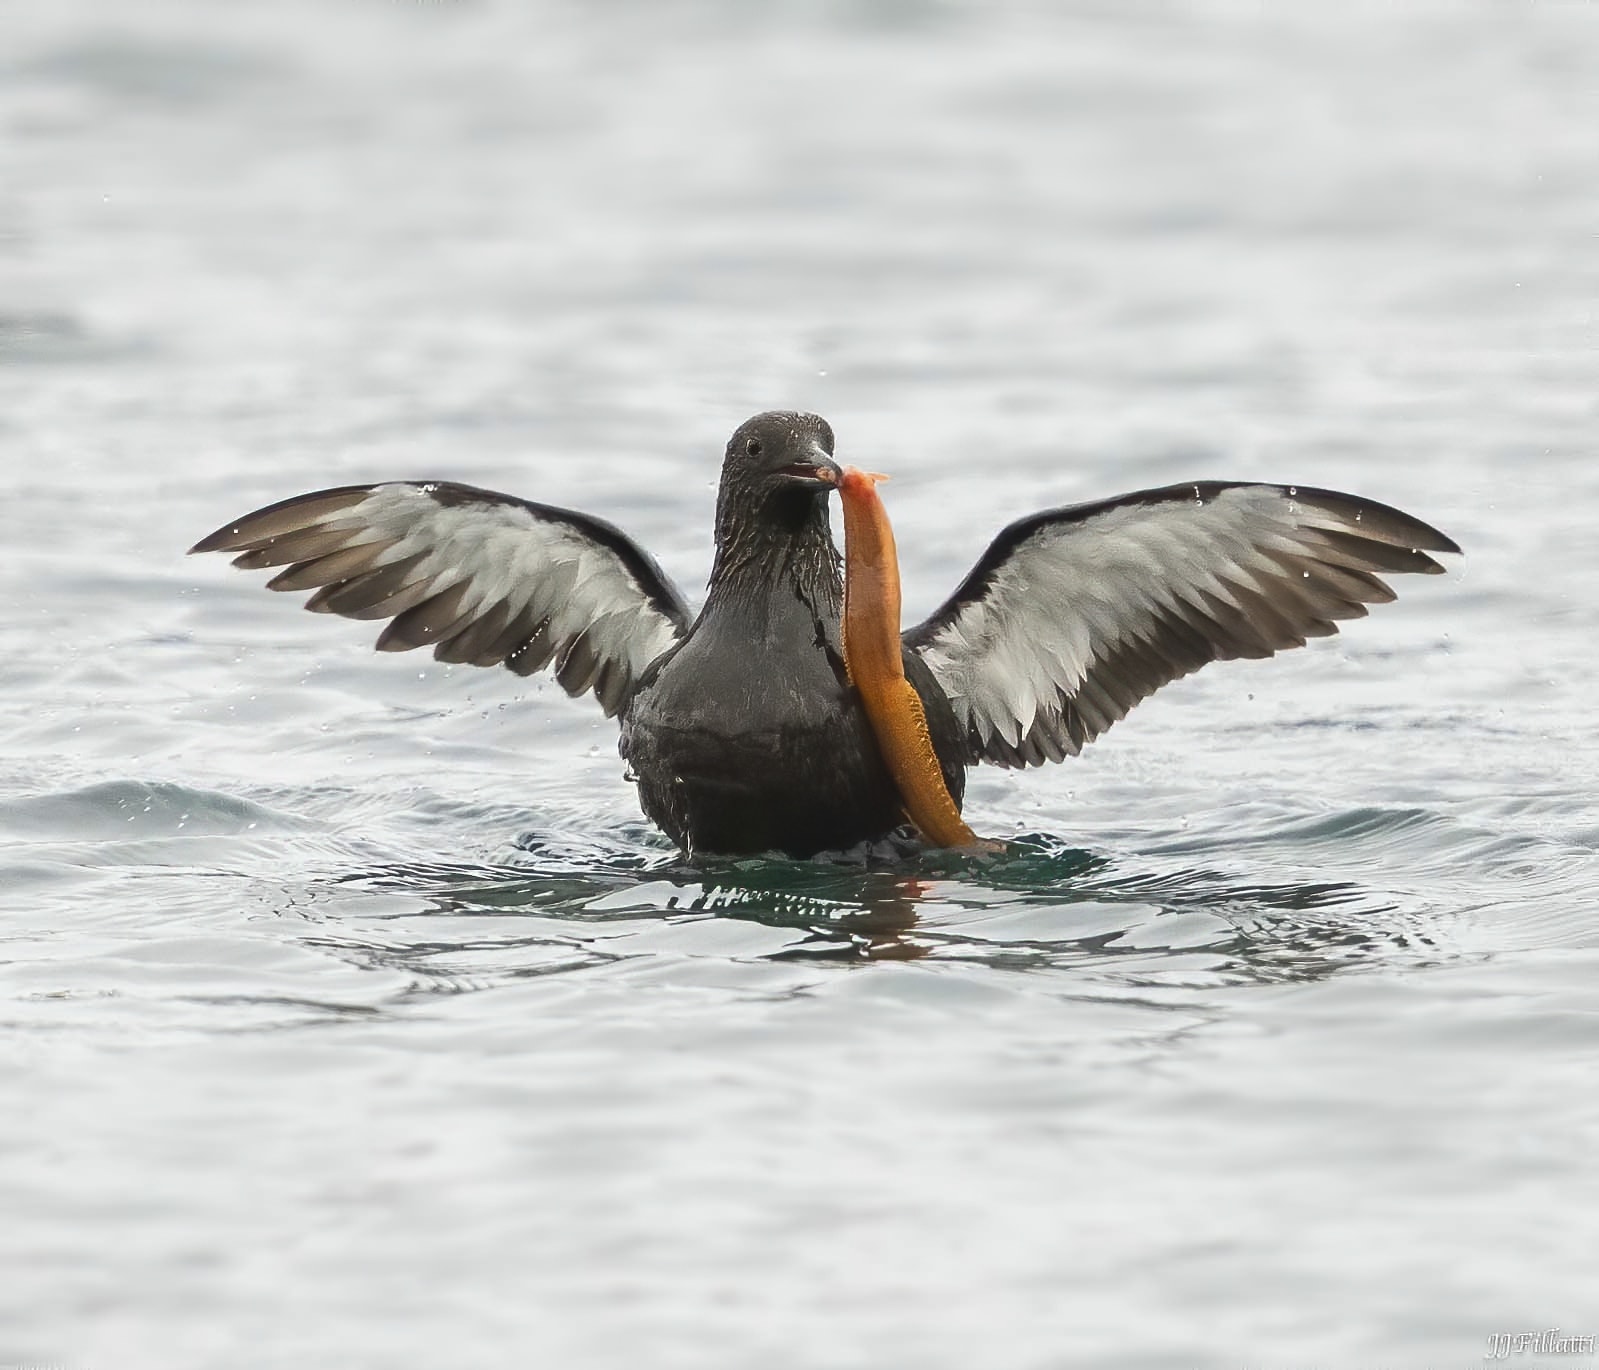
274, 520
1444, 543
220, 541
1381, 523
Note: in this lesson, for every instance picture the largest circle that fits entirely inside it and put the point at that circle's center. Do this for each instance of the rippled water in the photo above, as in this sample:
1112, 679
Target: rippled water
354, 1016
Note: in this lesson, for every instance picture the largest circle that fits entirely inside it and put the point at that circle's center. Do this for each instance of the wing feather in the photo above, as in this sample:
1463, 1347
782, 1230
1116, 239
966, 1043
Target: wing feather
1074, 615
477, 576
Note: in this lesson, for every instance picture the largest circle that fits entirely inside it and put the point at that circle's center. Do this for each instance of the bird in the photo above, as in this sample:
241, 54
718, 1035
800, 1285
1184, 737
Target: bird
740, 724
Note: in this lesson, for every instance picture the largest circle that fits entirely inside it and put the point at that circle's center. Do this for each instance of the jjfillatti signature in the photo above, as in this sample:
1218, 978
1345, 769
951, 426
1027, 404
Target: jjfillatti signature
1548, 1342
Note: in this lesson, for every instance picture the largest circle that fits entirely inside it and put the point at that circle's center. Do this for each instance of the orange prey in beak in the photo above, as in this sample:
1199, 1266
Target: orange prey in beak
872, 658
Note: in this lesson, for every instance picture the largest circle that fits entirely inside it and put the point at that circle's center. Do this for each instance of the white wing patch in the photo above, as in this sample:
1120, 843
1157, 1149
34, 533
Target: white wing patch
480, 577
1072, 617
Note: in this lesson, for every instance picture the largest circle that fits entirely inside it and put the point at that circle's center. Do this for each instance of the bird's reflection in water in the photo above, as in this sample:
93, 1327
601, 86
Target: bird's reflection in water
868, 914
861, 904
903, 906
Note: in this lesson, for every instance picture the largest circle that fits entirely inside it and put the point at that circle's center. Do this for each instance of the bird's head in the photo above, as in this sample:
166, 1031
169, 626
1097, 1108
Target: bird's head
776, 477
772, 507
781, 451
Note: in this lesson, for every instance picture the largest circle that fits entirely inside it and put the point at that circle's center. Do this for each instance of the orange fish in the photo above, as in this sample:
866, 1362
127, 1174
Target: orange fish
872, 658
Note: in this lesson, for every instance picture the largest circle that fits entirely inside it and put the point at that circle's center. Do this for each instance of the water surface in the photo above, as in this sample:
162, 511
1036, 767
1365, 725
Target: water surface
354, 1015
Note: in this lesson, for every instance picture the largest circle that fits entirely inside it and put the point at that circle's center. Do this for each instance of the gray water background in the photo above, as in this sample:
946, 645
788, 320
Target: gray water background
353, 1015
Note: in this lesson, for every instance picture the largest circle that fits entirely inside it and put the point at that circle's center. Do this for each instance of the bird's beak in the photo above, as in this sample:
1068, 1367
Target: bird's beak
815, 468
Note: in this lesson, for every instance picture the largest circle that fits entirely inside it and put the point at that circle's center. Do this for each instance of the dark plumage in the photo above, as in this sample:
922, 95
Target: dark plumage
740, 725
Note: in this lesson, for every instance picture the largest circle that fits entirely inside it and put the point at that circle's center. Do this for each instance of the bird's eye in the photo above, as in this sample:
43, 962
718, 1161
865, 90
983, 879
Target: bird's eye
753, 447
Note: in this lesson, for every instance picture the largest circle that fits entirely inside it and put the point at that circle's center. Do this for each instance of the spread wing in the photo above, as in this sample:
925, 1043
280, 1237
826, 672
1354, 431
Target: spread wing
478, 576
1074, 615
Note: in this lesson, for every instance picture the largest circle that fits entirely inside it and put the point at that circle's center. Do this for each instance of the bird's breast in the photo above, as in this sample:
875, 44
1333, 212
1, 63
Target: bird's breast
756, 741
737, 678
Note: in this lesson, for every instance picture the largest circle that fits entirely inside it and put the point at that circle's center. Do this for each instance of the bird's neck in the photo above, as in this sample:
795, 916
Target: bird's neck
783, 547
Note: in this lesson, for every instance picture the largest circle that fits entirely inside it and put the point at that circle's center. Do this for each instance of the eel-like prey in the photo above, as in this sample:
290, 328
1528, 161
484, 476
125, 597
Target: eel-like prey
872, 656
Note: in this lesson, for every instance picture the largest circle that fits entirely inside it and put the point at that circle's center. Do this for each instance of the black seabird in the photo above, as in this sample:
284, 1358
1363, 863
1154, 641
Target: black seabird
740, 724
